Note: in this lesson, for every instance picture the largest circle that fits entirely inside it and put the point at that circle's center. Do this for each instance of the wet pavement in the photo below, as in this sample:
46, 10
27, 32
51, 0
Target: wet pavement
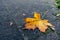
17, 10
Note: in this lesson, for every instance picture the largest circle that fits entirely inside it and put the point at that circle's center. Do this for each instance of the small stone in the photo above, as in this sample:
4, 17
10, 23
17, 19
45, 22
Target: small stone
23, 14
11, 23
58, 15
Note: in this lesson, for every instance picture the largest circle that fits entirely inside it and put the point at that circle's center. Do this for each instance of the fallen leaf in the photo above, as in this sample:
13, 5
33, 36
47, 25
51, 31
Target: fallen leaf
37, 15
37, 22
30, 26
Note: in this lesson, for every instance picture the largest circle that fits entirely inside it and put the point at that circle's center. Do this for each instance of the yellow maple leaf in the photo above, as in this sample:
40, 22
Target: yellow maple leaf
37, 22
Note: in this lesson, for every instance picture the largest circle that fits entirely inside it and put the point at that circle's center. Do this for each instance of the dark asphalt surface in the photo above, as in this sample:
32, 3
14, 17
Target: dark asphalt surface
13, 10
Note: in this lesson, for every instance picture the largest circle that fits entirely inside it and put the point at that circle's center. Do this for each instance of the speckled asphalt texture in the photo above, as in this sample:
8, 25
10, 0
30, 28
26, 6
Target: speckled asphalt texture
13, 10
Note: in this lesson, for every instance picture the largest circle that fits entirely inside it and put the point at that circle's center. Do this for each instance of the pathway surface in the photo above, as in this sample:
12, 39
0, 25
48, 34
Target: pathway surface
17, 10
